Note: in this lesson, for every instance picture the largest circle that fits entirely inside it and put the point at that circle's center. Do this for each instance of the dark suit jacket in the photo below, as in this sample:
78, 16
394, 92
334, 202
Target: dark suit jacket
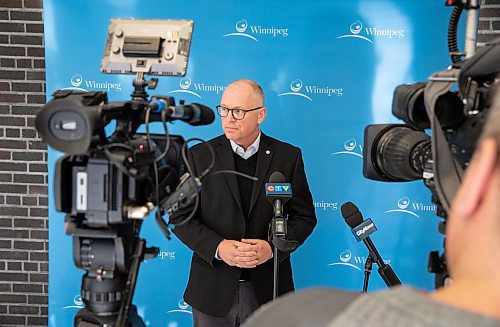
212, 283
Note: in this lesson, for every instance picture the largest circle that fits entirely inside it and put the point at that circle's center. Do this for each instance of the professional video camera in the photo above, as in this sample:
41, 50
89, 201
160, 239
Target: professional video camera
107, 185
404, 152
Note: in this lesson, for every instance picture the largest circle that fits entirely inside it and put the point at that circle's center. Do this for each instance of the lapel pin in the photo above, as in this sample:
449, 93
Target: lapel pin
268, 152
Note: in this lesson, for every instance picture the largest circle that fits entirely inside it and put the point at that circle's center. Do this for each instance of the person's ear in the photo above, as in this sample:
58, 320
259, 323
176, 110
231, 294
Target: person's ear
262, 115
477, 177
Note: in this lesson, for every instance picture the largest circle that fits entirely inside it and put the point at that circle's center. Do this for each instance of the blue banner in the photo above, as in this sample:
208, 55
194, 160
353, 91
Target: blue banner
328, 68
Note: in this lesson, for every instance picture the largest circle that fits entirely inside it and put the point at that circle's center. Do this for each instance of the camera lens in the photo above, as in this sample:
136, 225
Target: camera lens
400, 153
71, 120
408, 104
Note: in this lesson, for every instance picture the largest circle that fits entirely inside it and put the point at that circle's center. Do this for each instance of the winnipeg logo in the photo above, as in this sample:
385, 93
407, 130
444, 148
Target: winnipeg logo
403, 204
76, 80
404, 207
350, 148
184, 85
241, 27
345, 260
78, 303
357, 31
183, 308
243, 31
299, 89
296, 86
78, 83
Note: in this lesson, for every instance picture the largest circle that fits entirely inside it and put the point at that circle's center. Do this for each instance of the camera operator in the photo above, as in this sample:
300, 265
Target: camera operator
231, 271
473, 256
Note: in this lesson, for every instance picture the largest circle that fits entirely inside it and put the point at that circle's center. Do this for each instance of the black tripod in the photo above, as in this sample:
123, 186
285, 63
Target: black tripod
111, 259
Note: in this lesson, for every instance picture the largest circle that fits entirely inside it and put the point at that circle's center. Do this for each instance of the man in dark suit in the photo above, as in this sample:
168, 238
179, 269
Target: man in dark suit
231, 271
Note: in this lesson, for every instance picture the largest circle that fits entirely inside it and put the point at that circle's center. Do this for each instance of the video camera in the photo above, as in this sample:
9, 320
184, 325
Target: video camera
405, 152
107, 185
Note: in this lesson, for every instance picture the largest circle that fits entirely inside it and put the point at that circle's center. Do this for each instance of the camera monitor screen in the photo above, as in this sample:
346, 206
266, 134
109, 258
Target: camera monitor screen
148, 46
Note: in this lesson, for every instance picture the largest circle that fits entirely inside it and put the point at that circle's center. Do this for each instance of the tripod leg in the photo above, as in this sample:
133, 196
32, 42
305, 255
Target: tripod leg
128, 292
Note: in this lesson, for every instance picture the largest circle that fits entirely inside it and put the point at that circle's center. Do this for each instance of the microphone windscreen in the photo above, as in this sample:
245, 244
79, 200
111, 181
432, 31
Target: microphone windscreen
207, 115
351, 214
277, 177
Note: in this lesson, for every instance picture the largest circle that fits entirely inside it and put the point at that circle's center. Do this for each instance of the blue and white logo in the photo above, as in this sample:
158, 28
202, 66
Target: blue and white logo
77, 303
295, 86
368, 33
242, 30
350, 148
299, 89
403, 204
345, 259
78, 84
76, 80
183, 307
241, 26
404, 207
356, 27
186, 85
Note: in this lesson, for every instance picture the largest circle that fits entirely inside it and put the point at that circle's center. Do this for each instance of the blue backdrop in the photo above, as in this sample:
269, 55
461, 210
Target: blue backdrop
328, 68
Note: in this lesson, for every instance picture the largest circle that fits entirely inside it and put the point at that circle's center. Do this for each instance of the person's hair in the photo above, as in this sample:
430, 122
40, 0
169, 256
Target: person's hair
254, 85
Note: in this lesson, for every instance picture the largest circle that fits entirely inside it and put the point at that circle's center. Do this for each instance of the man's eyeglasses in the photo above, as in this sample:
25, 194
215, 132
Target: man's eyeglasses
237, 113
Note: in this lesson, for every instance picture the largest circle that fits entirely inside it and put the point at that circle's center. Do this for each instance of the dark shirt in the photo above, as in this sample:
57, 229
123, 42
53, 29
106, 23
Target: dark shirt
245, 185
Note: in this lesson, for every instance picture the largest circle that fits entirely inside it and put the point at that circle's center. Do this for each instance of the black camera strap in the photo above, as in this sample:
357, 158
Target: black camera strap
448, 172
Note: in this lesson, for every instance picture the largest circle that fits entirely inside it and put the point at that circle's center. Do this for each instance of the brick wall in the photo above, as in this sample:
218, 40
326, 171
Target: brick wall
23, 169
489, 21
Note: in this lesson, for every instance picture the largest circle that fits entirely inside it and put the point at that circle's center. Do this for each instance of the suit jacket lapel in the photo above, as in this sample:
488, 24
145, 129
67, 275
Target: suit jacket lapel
265, 155
225, 154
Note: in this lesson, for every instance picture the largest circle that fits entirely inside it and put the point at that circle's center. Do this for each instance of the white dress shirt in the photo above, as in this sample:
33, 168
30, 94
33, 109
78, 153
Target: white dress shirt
250, 151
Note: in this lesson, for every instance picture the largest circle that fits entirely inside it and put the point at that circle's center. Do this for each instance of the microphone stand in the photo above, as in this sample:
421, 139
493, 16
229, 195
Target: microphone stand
385, 270
277, 237
368, 270
276, 272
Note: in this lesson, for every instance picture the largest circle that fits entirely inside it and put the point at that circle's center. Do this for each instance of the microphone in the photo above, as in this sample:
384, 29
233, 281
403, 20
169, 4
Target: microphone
278, 193
194, 114
361, 230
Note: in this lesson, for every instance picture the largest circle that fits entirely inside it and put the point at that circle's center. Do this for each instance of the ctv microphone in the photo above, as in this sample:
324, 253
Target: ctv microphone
361, 230
278, 192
